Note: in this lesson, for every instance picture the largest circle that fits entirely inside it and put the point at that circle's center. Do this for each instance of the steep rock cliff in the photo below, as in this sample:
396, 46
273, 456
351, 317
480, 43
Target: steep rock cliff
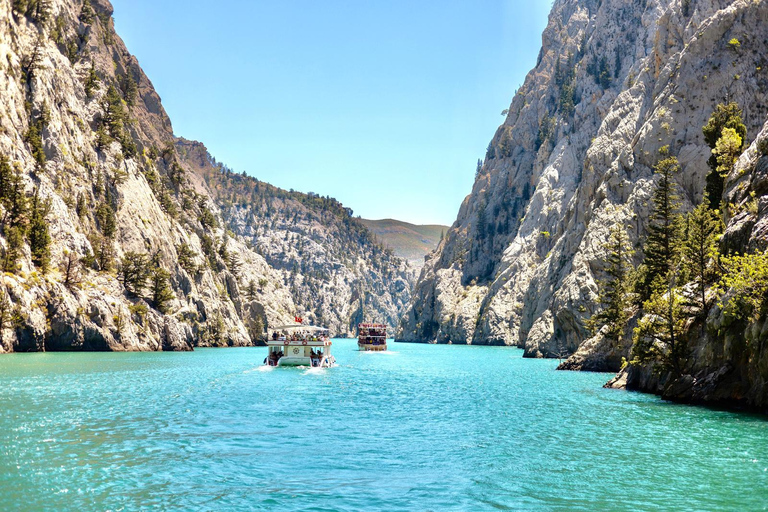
109, 239
615, 82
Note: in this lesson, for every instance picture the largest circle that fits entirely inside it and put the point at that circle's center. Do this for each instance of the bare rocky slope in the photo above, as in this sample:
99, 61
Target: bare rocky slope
337, 273
412, 242
615, 82
111, 238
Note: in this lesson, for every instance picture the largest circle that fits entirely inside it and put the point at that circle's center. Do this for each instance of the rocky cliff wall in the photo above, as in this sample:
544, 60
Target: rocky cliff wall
91, 180
615, 81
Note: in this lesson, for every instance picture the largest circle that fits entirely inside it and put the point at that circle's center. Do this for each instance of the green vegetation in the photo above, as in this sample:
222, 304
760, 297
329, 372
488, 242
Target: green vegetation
70, 270
86, 12
34, 136
700, 252
186, 257
600, 71
564, 79
115, 122
38, 10
162, 293
662, 245
14, 220
682, 270
6, 314
139, 271
745, 282
134, 272
130, 88
725, 116
614, 289
659, 335
91, 83
727, 150
39, 238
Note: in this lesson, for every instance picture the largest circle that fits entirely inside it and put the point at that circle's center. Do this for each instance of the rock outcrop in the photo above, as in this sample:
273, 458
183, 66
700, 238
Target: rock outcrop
614, 83
110, 238
729, 356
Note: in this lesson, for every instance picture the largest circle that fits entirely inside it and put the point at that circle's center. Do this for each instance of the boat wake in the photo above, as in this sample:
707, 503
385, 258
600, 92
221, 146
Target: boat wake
382, 352
262, 368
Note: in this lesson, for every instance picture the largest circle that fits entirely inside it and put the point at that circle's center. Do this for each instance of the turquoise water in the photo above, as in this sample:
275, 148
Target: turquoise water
418, 428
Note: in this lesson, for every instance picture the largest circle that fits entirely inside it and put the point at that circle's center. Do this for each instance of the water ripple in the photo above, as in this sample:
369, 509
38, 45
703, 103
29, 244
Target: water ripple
434, 428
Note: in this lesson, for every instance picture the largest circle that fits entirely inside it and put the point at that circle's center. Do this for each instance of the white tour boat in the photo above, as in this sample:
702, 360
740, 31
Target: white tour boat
372, 337
299, 345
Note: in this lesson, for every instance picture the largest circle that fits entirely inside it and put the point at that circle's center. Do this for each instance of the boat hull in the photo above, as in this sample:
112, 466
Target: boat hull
365, 347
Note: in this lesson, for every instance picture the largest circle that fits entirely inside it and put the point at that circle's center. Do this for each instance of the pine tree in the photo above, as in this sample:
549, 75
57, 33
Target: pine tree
186, 257
14, 237
105, 253
134, 272
662, 246
233, 263
724, 116
256, 328
700, 251
91, 82
6, 314
250, 291
105, 216
14, 199
130, 88
727, 150
70, 269
39, 238
115, 115
162, 293
614, 290
6, 175
86, 12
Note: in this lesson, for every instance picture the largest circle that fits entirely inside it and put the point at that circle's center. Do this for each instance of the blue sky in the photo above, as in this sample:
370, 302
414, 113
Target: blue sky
384, 105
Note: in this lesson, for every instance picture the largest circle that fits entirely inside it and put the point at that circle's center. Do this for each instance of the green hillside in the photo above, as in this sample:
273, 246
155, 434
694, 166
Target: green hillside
409, 241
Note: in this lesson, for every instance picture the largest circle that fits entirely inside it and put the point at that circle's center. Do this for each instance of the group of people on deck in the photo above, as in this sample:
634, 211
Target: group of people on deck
316, 357
274, 357
296, 336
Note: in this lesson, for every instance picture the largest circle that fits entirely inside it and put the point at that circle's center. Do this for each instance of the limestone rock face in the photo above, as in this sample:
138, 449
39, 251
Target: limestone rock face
615, 82
87, 136
336, 273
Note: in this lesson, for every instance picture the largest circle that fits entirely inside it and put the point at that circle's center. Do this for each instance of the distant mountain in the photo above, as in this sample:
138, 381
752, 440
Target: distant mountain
409, 241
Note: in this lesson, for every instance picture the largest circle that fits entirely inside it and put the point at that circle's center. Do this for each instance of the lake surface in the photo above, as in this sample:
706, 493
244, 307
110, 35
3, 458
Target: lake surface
421, 427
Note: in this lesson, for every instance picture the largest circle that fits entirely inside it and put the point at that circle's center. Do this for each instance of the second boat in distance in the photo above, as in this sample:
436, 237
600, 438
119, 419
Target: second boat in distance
372, 337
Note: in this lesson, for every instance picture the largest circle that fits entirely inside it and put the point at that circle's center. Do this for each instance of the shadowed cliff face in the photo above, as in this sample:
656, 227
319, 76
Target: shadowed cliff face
85, 137
615, 82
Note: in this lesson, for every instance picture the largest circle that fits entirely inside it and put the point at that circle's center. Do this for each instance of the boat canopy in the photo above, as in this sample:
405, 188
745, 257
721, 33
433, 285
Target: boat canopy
299, 327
